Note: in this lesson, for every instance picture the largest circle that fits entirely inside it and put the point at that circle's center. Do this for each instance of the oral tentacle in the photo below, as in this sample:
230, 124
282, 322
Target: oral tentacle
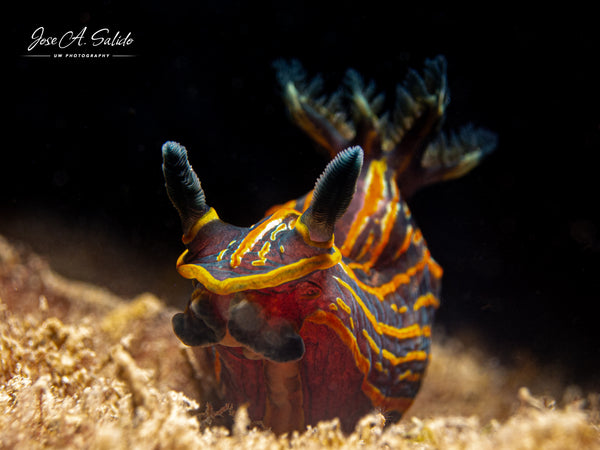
277, 341
193, 331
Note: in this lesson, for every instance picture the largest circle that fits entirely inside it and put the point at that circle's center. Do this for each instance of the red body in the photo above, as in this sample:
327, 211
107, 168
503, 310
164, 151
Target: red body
324, 308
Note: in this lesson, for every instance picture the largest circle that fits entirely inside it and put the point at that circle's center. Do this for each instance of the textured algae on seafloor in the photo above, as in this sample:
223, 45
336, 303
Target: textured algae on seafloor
81, 368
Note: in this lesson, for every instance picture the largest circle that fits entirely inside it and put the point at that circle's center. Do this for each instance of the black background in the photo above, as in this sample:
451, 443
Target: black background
518, 237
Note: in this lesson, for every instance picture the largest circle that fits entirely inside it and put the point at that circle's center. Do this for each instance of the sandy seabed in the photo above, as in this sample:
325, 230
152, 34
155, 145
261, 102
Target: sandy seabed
83, 368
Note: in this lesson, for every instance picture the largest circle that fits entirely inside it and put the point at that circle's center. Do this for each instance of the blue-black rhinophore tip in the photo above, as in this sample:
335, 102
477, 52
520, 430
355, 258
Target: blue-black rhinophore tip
183, 185
333, 193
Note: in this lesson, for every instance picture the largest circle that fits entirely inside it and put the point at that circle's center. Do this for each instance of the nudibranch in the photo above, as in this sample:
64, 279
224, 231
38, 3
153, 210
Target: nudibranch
324, 307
